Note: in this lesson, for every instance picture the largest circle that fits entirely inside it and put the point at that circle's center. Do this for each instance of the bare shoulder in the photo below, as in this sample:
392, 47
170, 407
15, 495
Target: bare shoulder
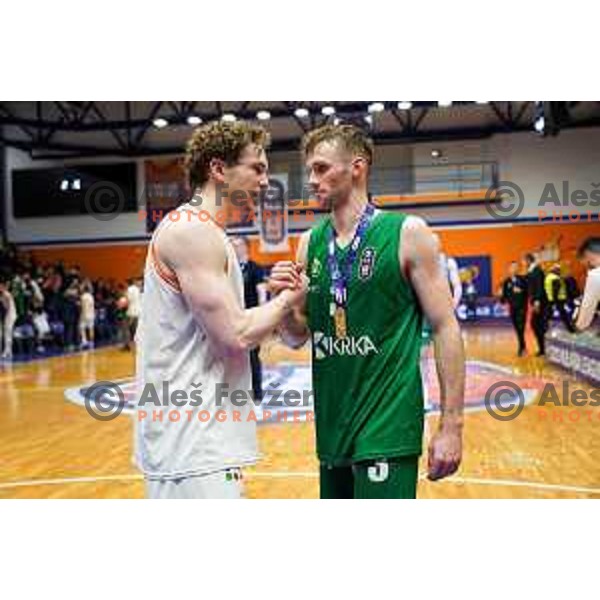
412, 223
418, 240
192, 240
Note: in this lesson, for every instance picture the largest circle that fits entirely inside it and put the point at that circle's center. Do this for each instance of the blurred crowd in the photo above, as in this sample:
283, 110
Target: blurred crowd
53, 308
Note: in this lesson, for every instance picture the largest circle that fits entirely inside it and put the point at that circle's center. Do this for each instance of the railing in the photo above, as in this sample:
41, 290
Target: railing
442, 178
452, 179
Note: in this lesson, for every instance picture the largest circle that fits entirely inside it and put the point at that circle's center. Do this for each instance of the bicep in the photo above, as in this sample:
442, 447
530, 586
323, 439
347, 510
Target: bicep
209, 295
427, 278
432, 291
199, 262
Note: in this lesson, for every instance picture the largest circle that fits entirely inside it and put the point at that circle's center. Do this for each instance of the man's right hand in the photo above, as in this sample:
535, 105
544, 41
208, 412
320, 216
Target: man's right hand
296, 296
285, 275
289, 278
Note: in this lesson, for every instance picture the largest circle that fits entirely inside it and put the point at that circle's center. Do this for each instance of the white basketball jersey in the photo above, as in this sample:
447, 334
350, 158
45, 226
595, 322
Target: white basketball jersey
174, 350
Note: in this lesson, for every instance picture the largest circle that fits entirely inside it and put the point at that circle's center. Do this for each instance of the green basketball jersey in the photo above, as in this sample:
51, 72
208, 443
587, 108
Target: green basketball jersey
367, 386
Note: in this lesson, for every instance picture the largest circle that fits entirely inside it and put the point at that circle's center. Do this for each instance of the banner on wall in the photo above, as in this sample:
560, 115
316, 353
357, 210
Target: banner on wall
476, 270
165, 188
273, 216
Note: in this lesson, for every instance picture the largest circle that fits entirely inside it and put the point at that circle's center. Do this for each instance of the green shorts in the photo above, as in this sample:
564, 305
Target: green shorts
394, 478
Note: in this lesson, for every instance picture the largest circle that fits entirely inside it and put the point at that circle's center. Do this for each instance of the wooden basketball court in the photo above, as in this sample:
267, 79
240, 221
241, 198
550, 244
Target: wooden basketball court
51, 448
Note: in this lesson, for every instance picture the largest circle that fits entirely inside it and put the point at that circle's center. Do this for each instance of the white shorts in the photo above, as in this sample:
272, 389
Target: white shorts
86, 324
221, 485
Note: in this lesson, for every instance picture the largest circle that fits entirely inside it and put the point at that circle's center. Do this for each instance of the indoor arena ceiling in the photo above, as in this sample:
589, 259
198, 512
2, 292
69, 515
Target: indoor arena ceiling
91, 128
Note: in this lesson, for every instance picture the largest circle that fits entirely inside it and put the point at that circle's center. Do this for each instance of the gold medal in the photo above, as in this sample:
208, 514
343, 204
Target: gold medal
341, 329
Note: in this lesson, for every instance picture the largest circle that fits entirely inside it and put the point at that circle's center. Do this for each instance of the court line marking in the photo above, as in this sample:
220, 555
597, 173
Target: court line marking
68, 480
557, 487
310, 475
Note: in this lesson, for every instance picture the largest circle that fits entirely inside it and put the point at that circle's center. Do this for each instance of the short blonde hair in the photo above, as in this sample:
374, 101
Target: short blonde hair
351, 138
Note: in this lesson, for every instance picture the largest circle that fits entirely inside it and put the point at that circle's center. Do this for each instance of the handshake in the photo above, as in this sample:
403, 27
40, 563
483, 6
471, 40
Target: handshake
289, 279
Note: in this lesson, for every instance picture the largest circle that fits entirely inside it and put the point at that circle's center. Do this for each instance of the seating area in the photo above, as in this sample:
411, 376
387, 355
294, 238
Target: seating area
41, 308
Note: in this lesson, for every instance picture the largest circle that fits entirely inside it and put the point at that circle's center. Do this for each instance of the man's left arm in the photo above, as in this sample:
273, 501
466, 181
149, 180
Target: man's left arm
420, 262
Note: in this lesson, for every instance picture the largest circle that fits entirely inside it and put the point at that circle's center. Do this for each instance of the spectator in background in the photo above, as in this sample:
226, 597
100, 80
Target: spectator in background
572, 291
9, 319
556, 294
32, 293
254, 295
514, 293
470, 296
9, 263
538, 301
50, 294
589, 254
42, 328
134, 301
87, 316
70, 314
122, 320
17, 290
109, 301
52, 290
71, 276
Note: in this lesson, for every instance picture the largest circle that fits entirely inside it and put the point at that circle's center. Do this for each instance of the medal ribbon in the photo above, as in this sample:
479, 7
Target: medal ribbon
341, 274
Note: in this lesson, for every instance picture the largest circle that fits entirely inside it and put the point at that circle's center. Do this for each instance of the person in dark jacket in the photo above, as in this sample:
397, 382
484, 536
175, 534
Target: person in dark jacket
538, 301
254, 290
514, 293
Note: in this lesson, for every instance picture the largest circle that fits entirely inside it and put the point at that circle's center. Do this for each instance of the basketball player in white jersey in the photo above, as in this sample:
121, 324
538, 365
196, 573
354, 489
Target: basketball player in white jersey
194, 332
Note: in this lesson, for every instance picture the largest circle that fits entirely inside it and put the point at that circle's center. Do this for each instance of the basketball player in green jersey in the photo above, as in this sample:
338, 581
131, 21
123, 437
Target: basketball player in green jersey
373, 276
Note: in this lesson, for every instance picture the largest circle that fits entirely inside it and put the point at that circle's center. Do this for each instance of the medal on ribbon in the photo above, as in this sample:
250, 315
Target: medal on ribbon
341, 273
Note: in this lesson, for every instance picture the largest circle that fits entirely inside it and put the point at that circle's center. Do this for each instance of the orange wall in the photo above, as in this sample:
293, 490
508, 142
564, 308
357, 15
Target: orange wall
107, 262
511, 243
503, 244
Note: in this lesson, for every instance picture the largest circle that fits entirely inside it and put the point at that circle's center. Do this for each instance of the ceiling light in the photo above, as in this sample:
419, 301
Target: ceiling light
376, 107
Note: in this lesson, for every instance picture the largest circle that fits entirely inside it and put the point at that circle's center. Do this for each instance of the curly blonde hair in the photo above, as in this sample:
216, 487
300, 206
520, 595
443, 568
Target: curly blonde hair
219, 140
351, 138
